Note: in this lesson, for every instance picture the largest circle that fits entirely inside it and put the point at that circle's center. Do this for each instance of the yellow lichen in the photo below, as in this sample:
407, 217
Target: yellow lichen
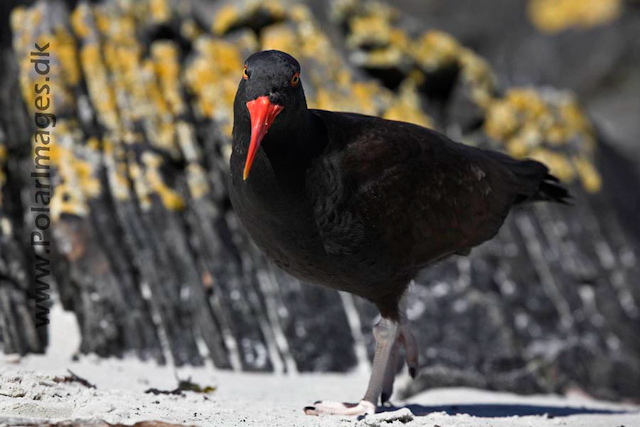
100, 90
275, 9
378, 41
79, 21
140, 184
99, 85
61, 70
67, 200
212, 77
576, 121
160, 11
138, 95
22, 20
79, 181
196, 174
501, 121
385, 57
67, 53
558, 163
152, 98
121, 29
149, 91
406, 107
116, 166
16, 20
358, 97
341, 10
186, 141
190, 30
313, 41
230, 15
373, 34
226, 17
553, 16
102, 20
328, 83
518, 107
436, 49
197, 181
370, 30
552, 129
169, 197
477, 74
93, 144
517, 147
81, 170
148, 88
589, 176
281, 37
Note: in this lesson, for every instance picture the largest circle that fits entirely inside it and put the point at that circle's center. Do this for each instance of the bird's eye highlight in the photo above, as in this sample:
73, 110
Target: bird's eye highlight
295, 79
245, 73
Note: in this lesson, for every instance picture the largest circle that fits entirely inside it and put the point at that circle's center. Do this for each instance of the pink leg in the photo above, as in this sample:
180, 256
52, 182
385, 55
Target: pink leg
390, 336
385, 333
407, 340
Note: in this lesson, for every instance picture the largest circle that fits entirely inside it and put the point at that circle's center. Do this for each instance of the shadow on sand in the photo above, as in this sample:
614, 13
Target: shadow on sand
505, 410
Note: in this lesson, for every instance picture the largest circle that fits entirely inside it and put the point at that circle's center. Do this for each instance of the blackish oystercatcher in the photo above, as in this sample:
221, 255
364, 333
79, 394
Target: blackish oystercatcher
361, 204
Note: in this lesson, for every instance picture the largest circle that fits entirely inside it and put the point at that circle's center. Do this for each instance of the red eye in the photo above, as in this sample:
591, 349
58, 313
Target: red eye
295, 79
245, 73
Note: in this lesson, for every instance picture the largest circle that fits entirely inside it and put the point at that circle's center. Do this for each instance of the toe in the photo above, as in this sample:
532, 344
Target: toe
311, 410
337, 408
411, 350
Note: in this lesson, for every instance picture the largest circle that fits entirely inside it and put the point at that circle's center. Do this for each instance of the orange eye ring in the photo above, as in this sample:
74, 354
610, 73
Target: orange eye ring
295, 79
245, 73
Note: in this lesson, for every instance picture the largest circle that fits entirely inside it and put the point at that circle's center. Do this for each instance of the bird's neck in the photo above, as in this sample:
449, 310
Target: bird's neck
294, 147
285, 153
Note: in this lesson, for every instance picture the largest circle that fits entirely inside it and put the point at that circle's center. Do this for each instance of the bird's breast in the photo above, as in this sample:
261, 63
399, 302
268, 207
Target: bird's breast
280, 219
280, 222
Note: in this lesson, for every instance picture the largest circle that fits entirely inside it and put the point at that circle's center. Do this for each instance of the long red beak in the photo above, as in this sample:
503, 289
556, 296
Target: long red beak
262, 113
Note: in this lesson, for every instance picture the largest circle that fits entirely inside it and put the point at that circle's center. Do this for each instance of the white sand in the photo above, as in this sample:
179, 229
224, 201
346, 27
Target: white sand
28, 389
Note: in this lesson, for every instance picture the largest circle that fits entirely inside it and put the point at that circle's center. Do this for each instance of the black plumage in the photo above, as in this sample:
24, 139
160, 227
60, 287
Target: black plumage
360, 203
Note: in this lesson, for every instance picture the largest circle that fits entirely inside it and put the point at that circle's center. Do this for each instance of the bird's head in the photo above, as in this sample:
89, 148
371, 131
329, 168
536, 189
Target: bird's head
269, 97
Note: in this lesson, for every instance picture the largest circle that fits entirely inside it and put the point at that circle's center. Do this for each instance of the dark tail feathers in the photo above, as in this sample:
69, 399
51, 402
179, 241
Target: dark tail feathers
537, 184
533, 181
550, 190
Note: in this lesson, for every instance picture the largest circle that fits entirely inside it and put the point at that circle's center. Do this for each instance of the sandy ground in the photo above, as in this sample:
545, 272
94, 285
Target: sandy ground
30, 388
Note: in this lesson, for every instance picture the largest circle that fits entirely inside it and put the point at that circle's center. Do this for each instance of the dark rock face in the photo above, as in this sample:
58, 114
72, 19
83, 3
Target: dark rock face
148, 254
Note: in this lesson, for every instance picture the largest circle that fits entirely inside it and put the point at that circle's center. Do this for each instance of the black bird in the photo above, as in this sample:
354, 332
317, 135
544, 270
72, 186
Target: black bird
361, 204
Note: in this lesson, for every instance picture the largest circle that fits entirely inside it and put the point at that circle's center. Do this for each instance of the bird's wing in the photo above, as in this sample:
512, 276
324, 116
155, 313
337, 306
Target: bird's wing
416, 193
341, 228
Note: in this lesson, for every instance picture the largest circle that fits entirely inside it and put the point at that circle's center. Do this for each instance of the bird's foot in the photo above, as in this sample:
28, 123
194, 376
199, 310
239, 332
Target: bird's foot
326, 407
